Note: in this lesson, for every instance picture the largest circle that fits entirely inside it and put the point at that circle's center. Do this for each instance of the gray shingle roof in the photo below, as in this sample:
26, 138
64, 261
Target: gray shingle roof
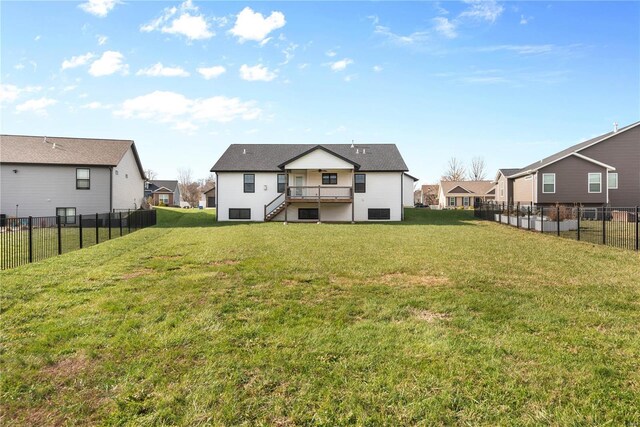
158, 183
509, 171
267, 157
66, 151
473, 187
574, 148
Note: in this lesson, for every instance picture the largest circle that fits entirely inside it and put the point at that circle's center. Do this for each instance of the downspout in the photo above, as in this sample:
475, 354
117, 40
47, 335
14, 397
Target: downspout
110, 188
216, 203
402, 196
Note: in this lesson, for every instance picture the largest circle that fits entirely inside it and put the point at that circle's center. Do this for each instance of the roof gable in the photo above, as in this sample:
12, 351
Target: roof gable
457, 189
320, 161
157, 184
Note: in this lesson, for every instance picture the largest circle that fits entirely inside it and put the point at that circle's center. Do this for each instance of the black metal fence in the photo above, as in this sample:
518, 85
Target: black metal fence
31, 239
612, 226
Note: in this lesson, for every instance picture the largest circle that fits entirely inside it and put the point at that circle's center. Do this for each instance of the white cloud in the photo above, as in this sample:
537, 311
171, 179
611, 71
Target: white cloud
340, 65
185, 21
330, 53
77, 61
95, 105
254, 26
38, 106
524, 20
159, 70
488, 10
256, 73
377, 68
211, 72
37, 38
19, 67
109, 63
184, 113
303, 66
69, 88
102, 40
100, 8
413, 38
445, 27
524, 49
288, 53
10, 93
350, 77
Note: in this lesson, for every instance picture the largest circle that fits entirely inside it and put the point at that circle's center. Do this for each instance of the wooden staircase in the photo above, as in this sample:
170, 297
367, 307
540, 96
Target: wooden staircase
275, 212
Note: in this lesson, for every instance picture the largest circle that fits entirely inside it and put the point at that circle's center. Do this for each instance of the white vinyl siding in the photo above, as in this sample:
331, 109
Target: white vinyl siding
548, 183
595, 182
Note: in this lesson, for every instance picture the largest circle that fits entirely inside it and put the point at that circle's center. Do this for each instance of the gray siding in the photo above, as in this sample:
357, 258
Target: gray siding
571, 182
40, 189
622, 152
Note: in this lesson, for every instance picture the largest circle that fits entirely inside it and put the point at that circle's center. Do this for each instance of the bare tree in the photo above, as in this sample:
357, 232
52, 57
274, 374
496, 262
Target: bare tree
189, 188
478, 169
151, 174
455, 170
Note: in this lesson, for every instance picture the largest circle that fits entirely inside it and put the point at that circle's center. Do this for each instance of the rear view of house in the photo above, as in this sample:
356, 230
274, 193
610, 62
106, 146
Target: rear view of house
165, 192
305, 182
46, 176
604, 170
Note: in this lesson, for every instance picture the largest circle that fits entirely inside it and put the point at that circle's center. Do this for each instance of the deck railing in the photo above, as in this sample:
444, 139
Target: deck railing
318, 192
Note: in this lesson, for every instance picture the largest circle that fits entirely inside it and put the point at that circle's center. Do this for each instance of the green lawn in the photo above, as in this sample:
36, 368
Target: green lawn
439, 320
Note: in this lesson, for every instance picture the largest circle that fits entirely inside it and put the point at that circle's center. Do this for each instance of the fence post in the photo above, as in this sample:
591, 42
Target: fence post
578, 223
604, 228
97, 230
128, 220
518, 215
508, 214
558, 220
80, 229
60, 235
30, 239
529, 218
109, 221
637, 222
500, 214
542, 219
120, 222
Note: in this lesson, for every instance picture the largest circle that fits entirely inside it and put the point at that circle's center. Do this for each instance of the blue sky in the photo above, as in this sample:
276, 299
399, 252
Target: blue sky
508, 81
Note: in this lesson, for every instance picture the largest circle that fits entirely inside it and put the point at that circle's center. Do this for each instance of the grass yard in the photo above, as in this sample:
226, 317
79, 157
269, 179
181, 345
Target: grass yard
439, 320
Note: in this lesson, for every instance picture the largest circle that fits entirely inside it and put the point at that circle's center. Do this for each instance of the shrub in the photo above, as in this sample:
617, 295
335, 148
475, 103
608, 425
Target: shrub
566, 212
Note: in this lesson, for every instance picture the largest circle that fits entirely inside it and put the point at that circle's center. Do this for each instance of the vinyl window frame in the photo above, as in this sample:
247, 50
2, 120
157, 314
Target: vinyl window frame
308, 214
599, 183
331, 178
249, 187
280, 186
379, 214
79, 180
240, 213
64, 219
360, 187
545, 183
609, 175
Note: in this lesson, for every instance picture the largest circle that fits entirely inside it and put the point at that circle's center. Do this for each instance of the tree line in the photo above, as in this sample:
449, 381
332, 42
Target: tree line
457, 171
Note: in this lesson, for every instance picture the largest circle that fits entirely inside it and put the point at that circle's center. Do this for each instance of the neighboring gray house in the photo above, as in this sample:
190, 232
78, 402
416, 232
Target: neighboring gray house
604, 170
47, 176
165, 191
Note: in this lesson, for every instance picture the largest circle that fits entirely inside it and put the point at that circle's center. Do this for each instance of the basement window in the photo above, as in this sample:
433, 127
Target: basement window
235, 213
307, 213
379, 214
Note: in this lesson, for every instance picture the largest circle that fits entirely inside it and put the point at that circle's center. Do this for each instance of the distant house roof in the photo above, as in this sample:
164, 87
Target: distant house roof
430, 188
270, 157
469, 187
209, 190
25, 149
158, 184
572, 151
412, 177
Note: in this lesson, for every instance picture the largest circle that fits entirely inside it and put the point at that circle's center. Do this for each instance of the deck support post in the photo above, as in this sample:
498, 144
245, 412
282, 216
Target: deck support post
319, 221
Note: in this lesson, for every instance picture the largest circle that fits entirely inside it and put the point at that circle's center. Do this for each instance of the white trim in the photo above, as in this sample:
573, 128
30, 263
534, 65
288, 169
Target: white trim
608, 176
589, 159
554, 183
589, 182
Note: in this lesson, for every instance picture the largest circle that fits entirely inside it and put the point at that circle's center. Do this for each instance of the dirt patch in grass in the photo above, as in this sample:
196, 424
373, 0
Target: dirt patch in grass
413, 279
223, 262
430, 316
137, 273
69, 367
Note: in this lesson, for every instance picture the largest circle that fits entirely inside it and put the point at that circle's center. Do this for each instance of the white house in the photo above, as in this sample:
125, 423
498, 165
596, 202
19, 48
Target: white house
47, 176
306, 182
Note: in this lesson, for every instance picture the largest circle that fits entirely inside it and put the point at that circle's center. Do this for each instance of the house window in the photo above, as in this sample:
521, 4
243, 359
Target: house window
361, 183
502, 189
281, 182
379, 214
66, 215
164, 198
307, 213
329, 179
451, 201
595, 182
249, 183
83, 179
549, 183
465, 201
612, 180
239, 213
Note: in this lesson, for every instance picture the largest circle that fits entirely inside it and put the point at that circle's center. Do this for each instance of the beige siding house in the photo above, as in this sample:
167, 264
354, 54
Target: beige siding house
48, 176
465, 194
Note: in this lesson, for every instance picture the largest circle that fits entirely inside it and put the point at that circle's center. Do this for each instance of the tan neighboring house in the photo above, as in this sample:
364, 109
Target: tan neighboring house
47, 176
604, 170
465, 194
163, 191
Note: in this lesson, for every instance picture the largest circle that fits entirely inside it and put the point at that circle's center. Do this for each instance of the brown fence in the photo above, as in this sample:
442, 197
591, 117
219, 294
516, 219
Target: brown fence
612, 226
31, 239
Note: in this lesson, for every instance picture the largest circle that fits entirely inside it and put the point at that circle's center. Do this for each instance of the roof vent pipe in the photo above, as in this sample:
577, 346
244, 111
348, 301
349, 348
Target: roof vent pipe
615, 126
364, 151
45, 140
244, 151
352, 145
53, 146
357, 151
